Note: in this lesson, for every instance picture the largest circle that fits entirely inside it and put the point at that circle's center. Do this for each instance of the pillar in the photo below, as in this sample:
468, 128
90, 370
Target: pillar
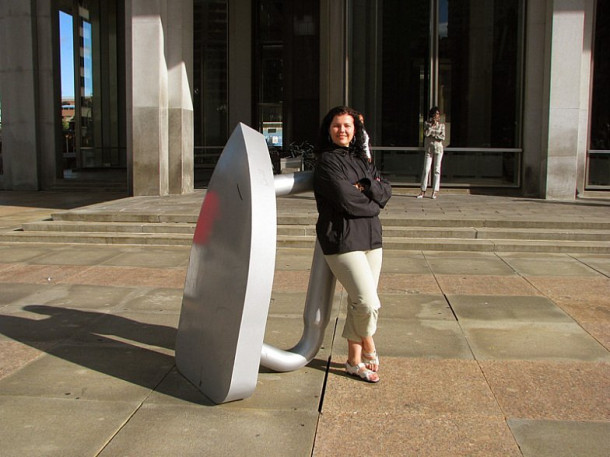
147, 93
564, 101
179, 52
19, 95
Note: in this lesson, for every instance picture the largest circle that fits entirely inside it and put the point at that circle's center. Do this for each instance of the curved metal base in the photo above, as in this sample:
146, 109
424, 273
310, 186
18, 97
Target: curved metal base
318, 302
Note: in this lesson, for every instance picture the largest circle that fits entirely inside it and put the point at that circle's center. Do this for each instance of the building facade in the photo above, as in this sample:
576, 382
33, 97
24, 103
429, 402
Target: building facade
144, 93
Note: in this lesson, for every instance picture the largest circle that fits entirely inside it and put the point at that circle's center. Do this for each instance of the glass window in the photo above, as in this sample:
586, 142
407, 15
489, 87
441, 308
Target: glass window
286, 72
480, 72
66, 56
598, 164
91, 64
389, 67
210, 80
464, 56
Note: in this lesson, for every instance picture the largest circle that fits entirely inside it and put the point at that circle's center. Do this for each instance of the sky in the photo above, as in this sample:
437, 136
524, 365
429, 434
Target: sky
66, 40
66, 55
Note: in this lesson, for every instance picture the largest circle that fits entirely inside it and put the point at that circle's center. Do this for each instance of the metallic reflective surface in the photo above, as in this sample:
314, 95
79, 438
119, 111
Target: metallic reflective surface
293, 183
318, 306
230, 275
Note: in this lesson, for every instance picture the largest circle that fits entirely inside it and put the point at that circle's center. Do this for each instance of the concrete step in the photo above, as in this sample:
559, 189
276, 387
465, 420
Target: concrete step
123, 217
476, 245
469, 233
307, 241
480, 233
288, 219
161, 239
109, 227
89, 225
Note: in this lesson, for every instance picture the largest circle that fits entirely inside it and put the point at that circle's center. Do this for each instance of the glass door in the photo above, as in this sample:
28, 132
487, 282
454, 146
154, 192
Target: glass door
598, 157
92, 86
464, 56
211, 91
286, 75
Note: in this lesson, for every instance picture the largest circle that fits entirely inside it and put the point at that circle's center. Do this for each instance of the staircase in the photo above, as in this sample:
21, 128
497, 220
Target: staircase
298, 230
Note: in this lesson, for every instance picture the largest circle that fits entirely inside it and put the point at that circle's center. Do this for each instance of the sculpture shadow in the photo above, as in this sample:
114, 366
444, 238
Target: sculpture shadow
136, 352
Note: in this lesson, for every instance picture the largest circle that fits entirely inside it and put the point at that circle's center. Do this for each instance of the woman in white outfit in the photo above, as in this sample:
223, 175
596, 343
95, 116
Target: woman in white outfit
434, 134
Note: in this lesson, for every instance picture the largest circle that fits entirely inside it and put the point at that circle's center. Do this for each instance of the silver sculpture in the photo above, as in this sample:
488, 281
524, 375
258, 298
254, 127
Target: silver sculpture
230, 276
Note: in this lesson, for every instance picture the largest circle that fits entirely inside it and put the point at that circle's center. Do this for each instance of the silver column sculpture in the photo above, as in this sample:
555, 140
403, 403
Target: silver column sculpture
230, 276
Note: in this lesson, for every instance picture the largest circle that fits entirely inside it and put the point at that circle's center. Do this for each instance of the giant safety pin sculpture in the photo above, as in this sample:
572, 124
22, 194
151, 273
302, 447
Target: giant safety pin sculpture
229, 279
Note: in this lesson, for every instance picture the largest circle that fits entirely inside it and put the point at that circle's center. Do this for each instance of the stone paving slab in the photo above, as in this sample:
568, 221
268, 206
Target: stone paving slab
34, 426
104, 372
78, 256
14, 355
153, 300
527, 264
161, 430
405, 262
561, 439
534, 342
397, 283
430, 408
415, 306
501, 309
550, 390
435, 339
413, 386
140, 330
298, 390
467, 263
509, 285
575, 290
599, 263
434, 435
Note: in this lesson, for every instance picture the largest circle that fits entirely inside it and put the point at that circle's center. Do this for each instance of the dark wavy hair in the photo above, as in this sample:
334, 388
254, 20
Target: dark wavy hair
433, 111
325, 143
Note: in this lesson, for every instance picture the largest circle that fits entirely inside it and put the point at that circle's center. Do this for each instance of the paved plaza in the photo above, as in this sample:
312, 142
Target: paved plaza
482, 353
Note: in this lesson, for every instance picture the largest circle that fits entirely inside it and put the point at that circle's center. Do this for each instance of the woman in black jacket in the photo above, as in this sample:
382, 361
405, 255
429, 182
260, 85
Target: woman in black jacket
349, 195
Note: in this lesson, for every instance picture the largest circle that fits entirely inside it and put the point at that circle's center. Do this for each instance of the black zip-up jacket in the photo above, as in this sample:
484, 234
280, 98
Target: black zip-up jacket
348, 218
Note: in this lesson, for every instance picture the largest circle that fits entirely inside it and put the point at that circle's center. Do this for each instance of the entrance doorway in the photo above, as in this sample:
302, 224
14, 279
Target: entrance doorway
286, 77
463, 56
91, 64
598, 157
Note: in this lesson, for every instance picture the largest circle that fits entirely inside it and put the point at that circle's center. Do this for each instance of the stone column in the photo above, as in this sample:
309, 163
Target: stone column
179, 52
240, 63
562, 98
18, 80
147, 94
50, 138
332, 57
534, 137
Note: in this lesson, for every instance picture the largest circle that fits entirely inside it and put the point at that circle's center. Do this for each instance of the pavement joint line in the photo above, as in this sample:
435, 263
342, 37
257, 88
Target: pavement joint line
589, 266
121, 427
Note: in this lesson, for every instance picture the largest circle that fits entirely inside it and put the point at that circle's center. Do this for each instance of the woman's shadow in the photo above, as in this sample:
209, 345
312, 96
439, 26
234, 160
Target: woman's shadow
136, 352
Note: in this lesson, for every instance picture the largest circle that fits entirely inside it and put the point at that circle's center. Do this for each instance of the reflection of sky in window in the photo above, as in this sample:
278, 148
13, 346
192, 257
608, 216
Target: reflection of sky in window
87, 60
443, 18
66, 43
66, 55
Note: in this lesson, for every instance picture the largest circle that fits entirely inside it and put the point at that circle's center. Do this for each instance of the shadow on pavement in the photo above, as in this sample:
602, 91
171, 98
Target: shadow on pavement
136, 352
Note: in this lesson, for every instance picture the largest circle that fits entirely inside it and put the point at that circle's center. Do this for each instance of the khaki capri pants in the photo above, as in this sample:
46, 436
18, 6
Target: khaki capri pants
358, 272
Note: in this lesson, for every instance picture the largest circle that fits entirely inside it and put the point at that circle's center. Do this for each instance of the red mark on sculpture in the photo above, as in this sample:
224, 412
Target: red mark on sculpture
207, 216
